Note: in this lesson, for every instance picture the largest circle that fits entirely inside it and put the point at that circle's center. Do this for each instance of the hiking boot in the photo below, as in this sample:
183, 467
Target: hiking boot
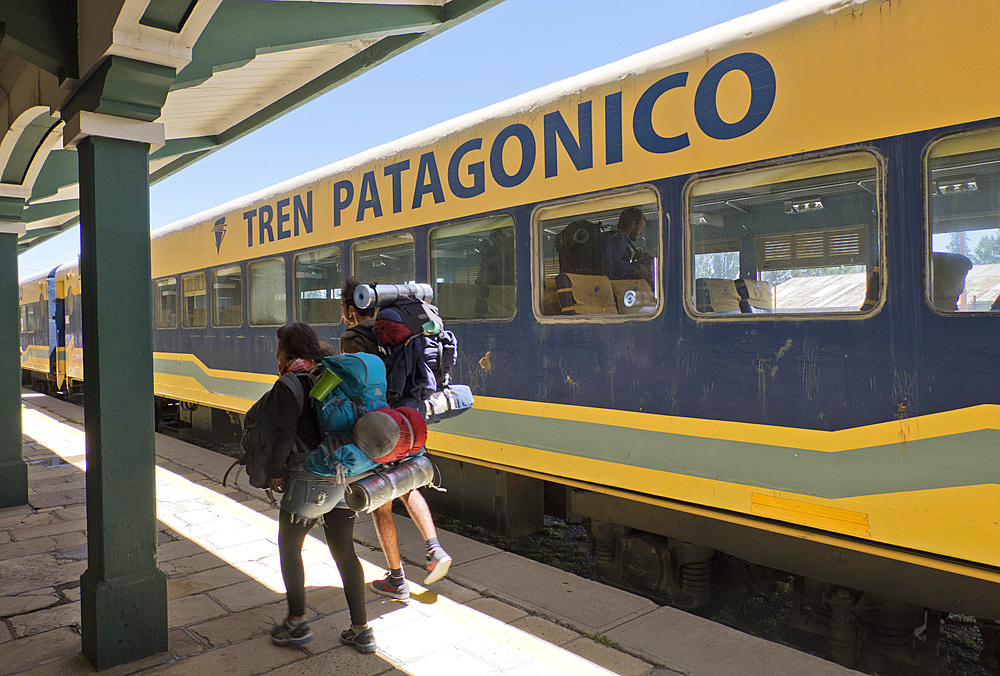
438, 563
385, 587
363, 641
291, 633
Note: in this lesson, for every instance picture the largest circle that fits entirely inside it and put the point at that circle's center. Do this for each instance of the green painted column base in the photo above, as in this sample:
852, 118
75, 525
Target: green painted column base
127, 617
13, 483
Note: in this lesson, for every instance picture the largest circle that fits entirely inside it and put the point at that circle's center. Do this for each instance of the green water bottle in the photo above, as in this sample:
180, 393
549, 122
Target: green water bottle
325, 385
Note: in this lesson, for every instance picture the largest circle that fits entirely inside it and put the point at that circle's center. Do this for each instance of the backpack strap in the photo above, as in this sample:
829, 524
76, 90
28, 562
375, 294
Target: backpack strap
293, 381
364, 331
294, 384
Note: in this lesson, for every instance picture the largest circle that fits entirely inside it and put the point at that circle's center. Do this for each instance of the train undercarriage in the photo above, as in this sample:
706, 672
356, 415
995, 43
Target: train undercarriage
859, 629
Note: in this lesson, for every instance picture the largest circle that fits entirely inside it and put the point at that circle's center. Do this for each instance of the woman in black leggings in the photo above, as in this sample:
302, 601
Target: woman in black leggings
307, 498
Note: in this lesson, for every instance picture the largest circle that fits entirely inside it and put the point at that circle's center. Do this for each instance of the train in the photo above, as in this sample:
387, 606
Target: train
797, 370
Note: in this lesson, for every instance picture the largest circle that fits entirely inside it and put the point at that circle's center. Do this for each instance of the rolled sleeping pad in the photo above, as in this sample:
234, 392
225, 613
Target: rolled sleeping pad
370, 295
373, 491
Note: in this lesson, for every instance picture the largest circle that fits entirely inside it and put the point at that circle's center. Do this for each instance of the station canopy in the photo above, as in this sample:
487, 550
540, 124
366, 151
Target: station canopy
207, 71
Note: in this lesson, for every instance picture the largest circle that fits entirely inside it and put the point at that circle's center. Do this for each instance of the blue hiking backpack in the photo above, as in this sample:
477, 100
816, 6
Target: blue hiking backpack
362, 389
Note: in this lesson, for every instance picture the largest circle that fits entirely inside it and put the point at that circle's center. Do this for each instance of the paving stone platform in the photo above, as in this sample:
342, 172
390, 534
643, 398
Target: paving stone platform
496, 613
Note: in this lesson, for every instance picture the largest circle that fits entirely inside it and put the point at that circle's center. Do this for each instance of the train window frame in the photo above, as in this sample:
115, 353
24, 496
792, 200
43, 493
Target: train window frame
776, 172
962, 184
183, 297
157, 317
374, 243
588, 205
488, 225
248, 313
335, 290
215, 314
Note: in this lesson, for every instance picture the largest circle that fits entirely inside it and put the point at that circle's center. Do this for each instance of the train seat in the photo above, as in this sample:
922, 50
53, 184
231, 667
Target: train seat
872, 290
500, 300
754, 296
633, 296
584, 294
948, 272
475, 301
716, 295
550, 299
231, 315
456, 300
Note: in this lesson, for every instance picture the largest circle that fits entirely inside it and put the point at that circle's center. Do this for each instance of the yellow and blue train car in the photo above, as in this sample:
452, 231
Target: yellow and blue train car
793, 366
50, 326
33, 301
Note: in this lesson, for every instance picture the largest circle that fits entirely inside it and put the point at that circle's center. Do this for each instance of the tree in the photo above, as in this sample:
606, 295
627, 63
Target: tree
987, 250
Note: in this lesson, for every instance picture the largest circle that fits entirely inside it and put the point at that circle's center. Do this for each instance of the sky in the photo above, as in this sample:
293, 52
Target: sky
507, 50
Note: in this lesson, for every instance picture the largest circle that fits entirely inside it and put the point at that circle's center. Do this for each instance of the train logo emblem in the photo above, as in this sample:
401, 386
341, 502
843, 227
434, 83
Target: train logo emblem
220, 232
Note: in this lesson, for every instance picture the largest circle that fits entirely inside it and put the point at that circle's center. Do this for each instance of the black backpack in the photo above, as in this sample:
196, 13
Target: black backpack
419, 316
418, 370
259, 426
579, 246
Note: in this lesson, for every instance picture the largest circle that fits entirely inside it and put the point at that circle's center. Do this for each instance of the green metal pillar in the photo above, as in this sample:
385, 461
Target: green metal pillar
124, 594
13, 470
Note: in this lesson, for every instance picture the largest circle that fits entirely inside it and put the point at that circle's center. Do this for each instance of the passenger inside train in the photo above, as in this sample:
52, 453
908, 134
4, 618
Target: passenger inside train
592, 267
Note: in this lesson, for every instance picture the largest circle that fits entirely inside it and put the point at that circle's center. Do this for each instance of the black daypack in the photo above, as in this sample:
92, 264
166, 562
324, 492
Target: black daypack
579, 246
259, 427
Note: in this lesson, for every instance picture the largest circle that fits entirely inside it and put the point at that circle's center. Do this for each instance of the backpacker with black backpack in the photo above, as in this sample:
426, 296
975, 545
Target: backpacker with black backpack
419, 352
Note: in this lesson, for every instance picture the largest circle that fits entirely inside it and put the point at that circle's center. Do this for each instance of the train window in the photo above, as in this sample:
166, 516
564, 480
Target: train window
165, 303
387, 260
194, 311
318, 278
964, 211
267, 292
227, 296
472, 265
600, 256
790, 239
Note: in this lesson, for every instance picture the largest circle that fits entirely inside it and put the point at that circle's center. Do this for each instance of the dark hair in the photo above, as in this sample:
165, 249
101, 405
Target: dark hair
347, 297
299, 341
630, 216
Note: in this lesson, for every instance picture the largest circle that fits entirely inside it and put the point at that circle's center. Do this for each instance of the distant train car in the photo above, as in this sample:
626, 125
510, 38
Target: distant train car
738, 293
50, 325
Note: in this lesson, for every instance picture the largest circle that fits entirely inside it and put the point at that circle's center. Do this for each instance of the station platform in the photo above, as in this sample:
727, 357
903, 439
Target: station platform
495, 613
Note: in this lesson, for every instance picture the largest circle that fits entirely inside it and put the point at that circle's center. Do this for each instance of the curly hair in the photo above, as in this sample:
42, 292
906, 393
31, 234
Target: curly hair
299, 341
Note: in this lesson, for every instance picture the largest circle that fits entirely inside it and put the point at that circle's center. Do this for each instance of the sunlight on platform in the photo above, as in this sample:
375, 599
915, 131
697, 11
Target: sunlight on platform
431, 636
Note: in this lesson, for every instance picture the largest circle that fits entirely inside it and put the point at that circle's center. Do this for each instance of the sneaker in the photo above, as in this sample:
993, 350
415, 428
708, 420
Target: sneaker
289, 633
363, 641
385, 587
438, 563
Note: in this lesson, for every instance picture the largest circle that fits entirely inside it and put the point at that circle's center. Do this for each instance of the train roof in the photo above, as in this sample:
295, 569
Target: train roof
668, 54
45, 273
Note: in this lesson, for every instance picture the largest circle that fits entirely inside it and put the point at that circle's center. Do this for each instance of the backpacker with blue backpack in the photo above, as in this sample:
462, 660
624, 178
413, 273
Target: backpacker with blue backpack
419, 352
360, 431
